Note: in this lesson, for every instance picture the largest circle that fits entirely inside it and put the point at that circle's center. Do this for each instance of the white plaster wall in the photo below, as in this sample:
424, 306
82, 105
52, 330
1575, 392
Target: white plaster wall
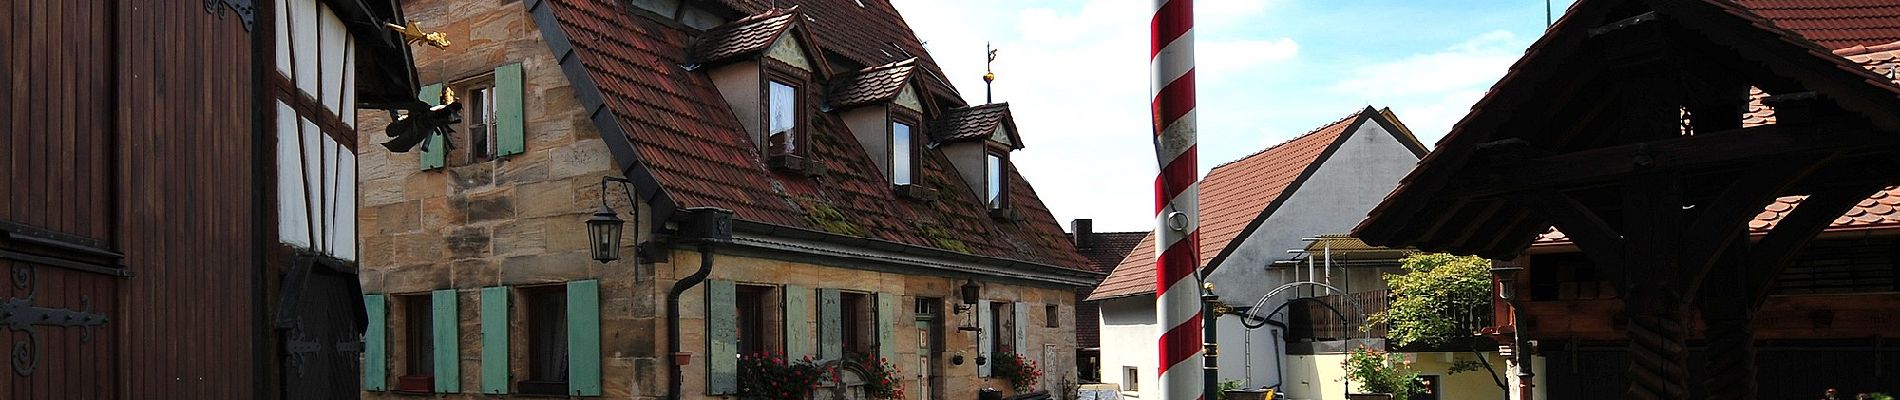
869, 125
739, 84
1247, 355
1128, 339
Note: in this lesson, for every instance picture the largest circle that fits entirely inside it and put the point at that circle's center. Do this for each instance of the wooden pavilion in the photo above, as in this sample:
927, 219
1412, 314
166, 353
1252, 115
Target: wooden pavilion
1623, 127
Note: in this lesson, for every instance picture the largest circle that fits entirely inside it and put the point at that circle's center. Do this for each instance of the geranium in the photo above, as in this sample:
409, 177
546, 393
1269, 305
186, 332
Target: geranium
882, 381
771, 376
1022, 373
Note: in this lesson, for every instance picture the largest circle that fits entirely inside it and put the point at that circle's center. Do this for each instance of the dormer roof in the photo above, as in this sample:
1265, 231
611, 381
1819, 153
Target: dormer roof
872, 85
752, 36
966, 124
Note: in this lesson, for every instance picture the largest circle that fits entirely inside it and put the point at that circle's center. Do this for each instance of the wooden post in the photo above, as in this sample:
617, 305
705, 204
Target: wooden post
1729, 315
1653, 299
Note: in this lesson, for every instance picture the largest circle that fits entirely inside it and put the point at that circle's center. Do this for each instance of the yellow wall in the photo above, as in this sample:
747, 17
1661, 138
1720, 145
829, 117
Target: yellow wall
1320, 376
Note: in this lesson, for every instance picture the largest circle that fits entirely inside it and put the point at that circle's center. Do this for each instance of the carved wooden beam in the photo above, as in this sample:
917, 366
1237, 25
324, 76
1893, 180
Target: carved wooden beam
1775, 251
1602, 165
1719, 224
1595, 237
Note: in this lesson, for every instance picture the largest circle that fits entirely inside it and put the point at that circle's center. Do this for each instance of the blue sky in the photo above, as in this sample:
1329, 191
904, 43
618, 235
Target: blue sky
1075, 75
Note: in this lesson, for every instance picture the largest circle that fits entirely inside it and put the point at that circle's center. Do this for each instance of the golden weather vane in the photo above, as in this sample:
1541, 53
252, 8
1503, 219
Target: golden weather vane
989, 73
413, 33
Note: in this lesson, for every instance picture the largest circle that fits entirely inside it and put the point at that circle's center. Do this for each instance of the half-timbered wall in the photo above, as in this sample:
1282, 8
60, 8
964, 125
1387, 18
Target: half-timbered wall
315, 129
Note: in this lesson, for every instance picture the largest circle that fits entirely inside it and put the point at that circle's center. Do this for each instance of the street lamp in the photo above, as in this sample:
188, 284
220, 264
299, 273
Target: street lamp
1507, 276
604, 227
1507, 282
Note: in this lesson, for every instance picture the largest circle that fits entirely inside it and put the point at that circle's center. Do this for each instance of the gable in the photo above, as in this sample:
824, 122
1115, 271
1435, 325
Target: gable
1001, 136
908, 98
787, 50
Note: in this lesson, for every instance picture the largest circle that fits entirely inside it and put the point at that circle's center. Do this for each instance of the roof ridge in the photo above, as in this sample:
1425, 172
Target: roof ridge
1857, 50
1355, 114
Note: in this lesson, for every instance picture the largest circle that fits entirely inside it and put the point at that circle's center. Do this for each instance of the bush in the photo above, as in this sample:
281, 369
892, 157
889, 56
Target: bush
771, 376
1378, 372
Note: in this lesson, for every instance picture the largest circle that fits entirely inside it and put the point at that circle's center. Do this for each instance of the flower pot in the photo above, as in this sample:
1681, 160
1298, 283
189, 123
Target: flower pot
1247, 394
1369, 396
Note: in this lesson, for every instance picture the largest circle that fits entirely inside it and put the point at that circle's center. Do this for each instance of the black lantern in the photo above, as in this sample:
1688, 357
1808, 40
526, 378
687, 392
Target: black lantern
1507, 281
603, 229
970, 291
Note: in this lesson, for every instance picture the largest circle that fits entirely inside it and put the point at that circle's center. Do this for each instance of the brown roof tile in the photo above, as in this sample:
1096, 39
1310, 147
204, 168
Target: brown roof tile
746, 36
1833, 24
872, 85
1109, 248
1232, 196
971, 123
682, 130
869, 34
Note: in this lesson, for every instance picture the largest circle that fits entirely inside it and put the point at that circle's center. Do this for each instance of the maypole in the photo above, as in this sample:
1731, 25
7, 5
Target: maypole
1177, 202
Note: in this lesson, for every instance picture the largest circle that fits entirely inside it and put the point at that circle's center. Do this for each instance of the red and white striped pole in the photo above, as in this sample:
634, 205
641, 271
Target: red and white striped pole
1177, 201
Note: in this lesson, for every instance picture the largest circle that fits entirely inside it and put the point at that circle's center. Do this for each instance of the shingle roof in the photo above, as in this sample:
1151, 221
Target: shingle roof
746, 36
682, 131
872, 85
1833, 24
869, 34
1232, 196
971, 123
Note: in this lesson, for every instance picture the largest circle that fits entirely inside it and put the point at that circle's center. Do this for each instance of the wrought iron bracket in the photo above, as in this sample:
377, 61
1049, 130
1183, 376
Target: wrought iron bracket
21, 316
246, 12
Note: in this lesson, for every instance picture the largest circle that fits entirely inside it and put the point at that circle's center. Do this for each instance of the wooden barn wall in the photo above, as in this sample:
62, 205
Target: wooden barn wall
145, 150
186, 141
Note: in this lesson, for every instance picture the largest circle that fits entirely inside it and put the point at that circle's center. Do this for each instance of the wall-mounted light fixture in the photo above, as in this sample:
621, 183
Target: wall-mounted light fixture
970, 293
604, 227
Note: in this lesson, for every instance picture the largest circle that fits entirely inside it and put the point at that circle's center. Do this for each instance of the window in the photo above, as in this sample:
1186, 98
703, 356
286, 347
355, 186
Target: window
756, 319
993, 194
478, 119
782, 118
901, 146
1131, 378
547, 341
1052, 316
418, 335
1002, 329
860, 323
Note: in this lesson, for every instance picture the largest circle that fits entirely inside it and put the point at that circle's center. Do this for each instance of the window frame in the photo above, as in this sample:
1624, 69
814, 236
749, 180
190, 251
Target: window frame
1131, 378
468, 152
1002, 329
762, 326
913, 163
1052, 315
418, 333
776, 71
1000, 183
544, 324
858, 331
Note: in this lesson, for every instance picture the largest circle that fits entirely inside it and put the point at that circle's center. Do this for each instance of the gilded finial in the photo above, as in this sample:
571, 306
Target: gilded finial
448, 95
413, 33
989, 74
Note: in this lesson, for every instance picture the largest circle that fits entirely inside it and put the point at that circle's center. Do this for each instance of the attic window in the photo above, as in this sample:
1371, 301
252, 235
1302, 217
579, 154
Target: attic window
901, 144
994, 180
783, 119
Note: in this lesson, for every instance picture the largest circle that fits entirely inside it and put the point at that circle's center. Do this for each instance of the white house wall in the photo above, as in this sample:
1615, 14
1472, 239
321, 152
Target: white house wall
1128, 339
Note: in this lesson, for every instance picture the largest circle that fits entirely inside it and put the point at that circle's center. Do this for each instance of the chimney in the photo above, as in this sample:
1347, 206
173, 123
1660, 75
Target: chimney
1083, 231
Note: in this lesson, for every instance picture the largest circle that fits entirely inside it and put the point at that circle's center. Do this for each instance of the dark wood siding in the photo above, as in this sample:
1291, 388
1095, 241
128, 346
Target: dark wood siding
57, 77
186, 145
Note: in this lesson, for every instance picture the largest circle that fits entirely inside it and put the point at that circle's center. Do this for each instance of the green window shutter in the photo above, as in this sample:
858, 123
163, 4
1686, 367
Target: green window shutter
830, 325
722, 338
508, 116
1022, 329
448, 368
583, 338
375, 361
433, 157
495, 340
797, 322
985, 322
886, 331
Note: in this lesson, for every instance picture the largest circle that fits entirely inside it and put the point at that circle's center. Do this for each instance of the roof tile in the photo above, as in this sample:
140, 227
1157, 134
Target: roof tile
872, 85
969, 123
1833, 24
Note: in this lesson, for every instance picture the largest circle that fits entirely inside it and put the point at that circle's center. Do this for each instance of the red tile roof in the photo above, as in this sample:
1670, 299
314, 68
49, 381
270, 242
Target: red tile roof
872, 85
1833, 24
1232, 196
682, 131
869, 34
746, 36
972, 123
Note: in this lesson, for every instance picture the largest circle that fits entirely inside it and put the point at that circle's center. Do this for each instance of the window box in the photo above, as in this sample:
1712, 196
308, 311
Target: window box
542, 388
785, 162
418, 384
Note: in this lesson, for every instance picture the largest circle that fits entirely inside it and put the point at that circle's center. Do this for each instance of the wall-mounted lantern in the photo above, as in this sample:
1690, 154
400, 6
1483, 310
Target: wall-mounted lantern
1507, 282
970, 292
603, 229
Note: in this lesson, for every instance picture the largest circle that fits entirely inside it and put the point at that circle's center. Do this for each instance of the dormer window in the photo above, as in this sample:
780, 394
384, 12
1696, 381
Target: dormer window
902, 161
997, 177
782, 116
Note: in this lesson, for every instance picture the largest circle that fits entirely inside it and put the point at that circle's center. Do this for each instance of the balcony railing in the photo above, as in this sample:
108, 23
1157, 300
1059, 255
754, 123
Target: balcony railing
1315, 318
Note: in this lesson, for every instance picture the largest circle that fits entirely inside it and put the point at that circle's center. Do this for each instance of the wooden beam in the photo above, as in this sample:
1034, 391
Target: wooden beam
1595, 237
1776, 250
1719, 224
1599, 166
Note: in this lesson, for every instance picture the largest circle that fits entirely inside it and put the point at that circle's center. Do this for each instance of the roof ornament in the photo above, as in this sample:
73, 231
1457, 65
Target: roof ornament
989, 74
413, 33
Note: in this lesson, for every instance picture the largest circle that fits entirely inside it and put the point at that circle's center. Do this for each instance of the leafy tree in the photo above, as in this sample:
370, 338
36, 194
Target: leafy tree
1433, 301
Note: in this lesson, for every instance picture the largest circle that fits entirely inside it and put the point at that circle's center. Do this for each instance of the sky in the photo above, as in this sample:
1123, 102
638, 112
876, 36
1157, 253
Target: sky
1075, 73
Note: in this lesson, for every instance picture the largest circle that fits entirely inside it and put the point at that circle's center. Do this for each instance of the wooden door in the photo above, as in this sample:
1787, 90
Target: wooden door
925, 374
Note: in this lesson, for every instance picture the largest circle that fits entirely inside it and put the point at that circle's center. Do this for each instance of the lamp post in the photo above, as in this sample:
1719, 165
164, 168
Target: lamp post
604, 227
1506, 277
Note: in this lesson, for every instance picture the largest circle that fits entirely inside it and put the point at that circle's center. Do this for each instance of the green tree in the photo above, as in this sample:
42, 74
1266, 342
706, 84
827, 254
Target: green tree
1433, 302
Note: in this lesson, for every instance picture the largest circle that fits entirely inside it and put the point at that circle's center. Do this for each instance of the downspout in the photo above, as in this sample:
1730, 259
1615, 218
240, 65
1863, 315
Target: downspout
673, 317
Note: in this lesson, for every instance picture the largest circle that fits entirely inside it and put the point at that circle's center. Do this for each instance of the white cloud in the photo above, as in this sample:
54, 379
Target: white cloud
1432, 91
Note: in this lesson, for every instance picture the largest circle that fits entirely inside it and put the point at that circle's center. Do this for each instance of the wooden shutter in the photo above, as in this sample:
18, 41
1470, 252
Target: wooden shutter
583, 338
508, 116
375, 358
797, 322
495, 340
448, 371
722, 338
986, 321
886, 327
1021, 329
435, 155
830, 325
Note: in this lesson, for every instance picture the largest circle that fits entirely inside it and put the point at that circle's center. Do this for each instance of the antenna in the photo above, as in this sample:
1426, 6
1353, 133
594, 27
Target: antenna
1547, 21
989, 73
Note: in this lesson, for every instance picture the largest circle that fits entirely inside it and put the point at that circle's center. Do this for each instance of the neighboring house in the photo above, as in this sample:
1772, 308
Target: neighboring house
1252, 211
803, 181
1105, 250
176, 212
